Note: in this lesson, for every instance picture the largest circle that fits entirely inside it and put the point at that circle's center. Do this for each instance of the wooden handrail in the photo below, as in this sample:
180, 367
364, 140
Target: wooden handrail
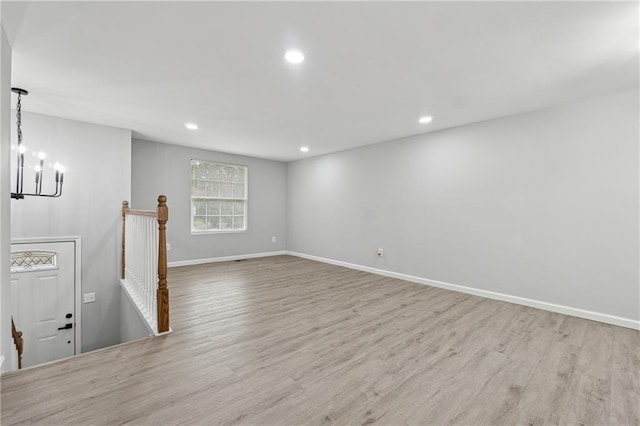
141, 212
18, 341
163, 291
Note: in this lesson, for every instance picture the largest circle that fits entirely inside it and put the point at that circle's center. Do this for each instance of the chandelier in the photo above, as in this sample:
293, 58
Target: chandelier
39, 169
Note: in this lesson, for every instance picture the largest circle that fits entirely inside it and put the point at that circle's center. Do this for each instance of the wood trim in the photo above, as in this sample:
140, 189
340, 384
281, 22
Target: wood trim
125, 210
141, 212
163, 291
18, 341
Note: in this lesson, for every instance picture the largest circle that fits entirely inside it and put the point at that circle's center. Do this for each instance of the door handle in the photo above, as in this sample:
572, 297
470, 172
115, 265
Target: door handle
66, 326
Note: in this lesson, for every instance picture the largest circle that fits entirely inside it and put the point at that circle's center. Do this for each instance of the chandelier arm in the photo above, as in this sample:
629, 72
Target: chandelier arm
21, 173
21, 196
18, 173
40, 177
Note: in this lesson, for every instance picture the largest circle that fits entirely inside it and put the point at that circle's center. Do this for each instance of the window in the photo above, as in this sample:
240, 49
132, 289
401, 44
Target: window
33, 260
218, 197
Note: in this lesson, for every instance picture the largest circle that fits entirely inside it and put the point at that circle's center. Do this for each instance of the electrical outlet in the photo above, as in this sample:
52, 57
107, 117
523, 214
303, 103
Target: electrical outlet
273, 239
168, 247
380, 253
89, 297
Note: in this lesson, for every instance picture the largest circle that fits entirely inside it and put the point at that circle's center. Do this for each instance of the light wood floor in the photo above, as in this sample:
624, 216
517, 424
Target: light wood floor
284, 340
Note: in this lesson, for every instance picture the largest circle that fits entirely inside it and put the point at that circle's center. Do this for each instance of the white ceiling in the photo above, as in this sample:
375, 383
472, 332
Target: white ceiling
371, 69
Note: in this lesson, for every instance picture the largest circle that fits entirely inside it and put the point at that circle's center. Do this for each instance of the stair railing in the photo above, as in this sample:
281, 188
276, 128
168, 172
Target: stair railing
144, 262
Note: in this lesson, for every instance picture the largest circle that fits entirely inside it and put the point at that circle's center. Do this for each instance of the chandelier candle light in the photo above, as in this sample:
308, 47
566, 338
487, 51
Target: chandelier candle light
19, 194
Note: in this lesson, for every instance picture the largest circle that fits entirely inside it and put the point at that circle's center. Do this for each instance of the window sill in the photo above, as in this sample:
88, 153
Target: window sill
237, 231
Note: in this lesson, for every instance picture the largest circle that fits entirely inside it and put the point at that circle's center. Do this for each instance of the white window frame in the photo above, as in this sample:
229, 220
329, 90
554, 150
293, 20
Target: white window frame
219, 198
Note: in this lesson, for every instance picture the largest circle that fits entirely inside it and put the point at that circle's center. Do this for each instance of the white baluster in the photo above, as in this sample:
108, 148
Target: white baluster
141, 263
146, 266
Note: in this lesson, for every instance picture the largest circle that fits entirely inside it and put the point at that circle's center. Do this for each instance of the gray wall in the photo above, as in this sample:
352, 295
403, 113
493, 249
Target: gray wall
132, 325
542, 205
98, 178
6, 342
166, 169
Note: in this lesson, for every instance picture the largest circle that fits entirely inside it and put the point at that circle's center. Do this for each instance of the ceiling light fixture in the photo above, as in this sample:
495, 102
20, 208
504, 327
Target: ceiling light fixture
426, 119
294, 56
39, 169
191, 126
304, 148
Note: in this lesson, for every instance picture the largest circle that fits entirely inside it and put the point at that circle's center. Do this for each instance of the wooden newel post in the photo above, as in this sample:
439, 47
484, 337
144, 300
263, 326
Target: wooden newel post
163, 291
125, 207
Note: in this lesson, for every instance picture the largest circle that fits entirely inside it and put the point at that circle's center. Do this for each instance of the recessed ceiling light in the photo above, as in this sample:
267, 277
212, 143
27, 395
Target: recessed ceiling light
294, 56
304, 148
426, 119
191, 126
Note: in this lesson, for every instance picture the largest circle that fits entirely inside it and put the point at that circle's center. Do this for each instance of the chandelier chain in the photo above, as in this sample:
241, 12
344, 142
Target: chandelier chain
19, 118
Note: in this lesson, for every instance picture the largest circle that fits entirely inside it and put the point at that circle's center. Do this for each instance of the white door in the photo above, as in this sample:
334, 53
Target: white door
43, 293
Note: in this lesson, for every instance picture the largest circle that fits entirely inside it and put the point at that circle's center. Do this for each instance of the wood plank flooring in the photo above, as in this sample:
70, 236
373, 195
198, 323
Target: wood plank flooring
288, 341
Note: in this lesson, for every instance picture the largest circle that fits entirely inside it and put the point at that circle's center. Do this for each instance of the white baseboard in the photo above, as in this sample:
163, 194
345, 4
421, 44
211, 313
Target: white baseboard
225, 258
567, 310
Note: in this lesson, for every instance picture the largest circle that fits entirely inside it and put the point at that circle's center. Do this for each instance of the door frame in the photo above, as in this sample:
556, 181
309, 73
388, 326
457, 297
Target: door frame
77, 275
